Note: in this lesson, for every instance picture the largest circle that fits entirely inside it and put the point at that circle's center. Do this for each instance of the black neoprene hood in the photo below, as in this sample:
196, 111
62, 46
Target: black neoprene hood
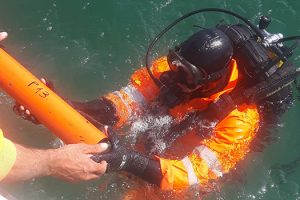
210, 49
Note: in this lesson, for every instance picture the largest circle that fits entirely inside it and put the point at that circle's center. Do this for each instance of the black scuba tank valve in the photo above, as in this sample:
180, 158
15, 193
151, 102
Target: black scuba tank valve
264, 22
271, 39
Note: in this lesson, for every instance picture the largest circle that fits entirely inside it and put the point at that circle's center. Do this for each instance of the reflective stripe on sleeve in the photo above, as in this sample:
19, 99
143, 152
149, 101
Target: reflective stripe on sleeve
135, 95
118, 94
193, 179
210, 158
128, 102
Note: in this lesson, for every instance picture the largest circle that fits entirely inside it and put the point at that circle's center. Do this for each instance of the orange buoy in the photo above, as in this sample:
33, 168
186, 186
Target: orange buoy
50, 109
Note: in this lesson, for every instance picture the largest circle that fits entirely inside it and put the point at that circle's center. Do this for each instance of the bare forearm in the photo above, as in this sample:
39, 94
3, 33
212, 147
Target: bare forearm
70, 163
30, 163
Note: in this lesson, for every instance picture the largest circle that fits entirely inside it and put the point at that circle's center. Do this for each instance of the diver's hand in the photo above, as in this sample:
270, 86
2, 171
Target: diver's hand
25, 113
73, 163
3, 35
120, 157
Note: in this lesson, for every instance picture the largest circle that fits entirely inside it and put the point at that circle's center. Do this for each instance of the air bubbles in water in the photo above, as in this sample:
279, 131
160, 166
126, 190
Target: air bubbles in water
85, 60
4, 99
102, 34
49, 28
86, 5
154, 128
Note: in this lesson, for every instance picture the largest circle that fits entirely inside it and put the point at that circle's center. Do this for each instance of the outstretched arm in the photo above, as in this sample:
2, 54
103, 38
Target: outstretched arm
119, 107
71, 163
209, 160
99, 111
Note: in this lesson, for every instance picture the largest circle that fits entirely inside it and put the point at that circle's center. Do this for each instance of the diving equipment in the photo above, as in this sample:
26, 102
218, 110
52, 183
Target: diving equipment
191, 57
261, 56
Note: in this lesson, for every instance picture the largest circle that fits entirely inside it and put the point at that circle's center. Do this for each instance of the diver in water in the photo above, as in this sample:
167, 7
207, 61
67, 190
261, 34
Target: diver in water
223, 74
196, 74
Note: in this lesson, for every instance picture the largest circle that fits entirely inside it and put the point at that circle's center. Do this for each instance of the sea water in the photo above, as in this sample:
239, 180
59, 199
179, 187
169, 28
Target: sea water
89, 47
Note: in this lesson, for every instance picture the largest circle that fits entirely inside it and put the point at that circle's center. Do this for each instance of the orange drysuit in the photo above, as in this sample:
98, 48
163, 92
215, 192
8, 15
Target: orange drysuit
210, 158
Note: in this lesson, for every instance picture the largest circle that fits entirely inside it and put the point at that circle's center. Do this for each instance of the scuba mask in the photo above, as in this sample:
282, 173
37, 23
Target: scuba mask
192, 77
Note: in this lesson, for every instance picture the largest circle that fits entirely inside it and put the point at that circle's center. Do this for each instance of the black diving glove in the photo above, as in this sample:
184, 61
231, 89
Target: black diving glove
121, 158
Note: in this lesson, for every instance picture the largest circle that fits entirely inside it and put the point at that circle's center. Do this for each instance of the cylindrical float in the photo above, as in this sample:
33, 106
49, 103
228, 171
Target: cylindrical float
50, 109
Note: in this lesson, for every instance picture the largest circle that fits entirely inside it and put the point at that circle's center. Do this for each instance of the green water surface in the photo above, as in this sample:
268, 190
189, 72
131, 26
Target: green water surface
90, 47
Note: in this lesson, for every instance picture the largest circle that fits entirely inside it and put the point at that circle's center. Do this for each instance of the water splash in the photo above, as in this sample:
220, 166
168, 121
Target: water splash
153, 128
5, 100
161, 5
